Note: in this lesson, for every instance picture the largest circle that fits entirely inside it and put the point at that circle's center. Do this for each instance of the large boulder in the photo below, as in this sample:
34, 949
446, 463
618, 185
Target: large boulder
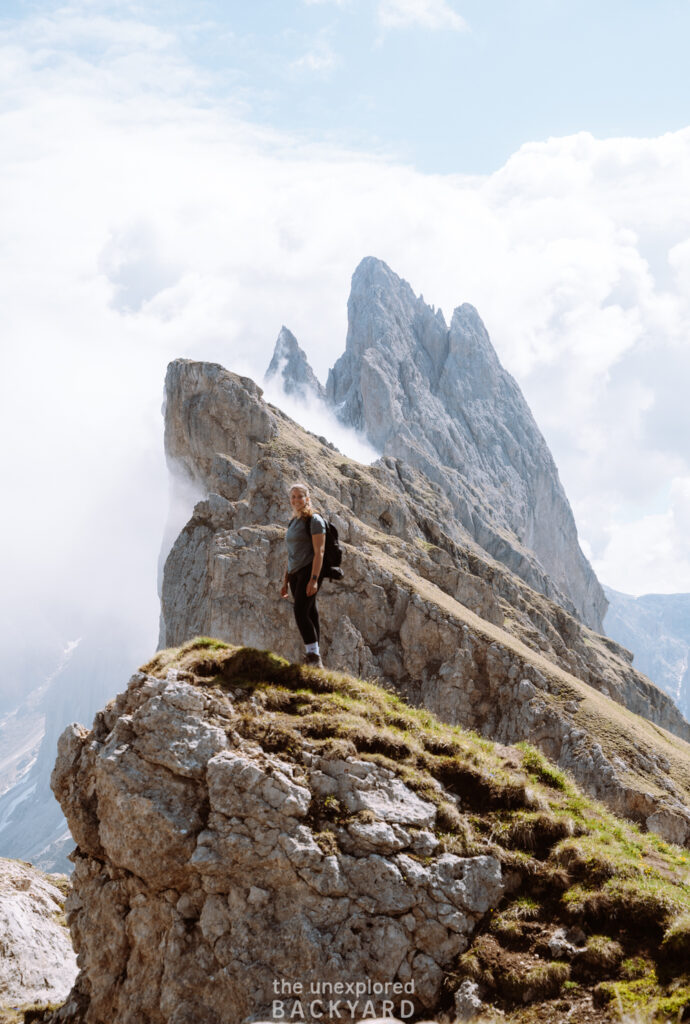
206, 891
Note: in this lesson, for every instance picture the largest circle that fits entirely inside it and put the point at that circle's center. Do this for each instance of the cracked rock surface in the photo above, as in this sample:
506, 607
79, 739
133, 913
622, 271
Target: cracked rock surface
37, 962
200, 881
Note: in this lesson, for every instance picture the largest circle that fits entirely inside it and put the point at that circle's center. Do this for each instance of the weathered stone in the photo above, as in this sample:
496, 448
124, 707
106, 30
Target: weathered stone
37, 962
467, 1002
211, 886
675, 828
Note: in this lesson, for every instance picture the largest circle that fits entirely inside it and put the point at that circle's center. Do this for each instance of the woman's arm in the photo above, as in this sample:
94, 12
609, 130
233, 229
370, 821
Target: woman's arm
319, 544
284, 588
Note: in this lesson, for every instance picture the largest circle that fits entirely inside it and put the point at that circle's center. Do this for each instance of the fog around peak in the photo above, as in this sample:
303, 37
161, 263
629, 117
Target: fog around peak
152, 220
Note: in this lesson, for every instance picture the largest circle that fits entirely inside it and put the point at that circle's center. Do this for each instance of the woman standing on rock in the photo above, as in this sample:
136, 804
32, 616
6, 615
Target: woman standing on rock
306, 541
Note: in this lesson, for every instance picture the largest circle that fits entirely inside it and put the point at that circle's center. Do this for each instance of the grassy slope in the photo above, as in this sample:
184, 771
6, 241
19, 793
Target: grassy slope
574, 864
620, 731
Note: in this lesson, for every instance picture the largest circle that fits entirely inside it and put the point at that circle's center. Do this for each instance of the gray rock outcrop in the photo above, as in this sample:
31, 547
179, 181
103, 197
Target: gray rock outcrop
438, 398
289, 364
37, 962
258, 840
445, 625
203, 891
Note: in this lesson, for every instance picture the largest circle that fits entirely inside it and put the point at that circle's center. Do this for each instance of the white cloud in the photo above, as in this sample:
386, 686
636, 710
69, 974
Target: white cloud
311, 413
144, 222
429, 14
661, 546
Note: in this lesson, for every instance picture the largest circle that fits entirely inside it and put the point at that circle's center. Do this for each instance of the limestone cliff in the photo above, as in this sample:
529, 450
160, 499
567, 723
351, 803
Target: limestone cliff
438, 398
438, 620
252, 835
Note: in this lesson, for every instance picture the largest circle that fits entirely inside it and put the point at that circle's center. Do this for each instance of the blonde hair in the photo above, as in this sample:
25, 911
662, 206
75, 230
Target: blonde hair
299, 486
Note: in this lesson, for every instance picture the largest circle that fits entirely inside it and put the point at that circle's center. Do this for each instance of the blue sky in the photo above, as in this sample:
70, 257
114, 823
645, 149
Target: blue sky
451, 87
181, 179
462, 101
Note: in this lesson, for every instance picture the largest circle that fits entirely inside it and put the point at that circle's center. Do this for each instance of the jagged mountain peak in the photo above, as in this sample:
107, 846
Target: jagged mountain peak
438, 398
290, 365
373, 269
286, 344
374, 274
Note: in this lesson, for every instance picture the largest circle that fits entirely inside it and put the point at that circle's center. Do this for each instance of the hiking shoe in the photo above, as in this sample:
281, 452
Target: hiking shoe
314, 660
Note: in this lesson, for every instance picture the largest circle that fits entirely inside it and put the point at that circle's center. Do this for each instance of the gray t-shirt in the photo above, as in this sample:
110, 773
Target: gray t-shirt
299, 545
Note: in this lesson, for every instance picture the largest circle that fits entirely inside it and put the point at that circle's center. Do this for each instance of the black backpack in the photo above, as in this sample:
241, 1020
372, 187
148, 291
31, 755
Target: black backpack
333, 553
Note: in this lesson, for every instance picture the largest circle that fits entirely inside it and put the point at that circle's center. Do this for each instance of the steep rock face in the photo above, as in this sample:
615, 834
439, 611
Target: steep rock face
291, 366
656, 629
37, 962
449, 628
210, 412
438, 398
200, 843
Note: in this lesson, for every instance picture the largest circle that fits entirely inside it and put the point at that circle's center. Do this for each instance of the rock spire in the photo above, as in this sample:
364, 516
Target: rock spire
438, 398
291, 366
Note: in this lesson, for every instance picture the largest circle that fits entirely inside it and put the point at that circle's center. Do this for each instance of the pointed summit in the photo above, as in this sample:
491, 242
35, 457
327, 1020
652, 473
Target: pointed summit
438, 398
290, 364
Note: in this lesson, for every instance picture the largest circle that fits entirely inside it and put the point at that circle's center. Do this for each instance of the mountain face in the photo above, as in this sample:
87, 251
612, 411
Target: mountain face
445, 625
291, 366
438, 398
656, 628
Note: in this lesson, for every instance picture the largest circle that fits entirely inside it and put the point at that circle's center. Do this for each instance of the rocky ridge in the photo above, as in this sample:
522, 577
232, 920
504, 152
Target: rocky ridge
248, 829
436, 397
451, 629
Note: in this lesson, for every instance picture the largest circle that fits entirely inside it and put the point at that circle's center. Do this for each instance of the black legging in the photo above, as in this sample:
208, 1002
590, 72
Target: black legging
306, 615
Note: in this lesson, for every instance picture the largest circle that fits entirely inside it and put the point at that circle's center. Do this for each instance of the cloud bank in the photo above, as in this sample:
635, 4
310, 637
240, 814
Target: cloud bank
146, 220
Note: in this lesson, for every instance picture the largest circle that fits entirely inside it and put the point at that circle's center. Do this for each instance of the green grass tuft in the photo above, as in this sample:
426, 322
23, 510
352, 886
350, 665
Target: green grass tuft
676, 941
541, 768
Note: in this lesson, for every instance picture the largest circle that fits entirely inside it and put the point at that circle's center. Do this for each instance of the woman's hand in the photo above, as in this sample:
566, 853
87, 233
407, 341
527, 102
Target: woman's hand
312, 587
284, 589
